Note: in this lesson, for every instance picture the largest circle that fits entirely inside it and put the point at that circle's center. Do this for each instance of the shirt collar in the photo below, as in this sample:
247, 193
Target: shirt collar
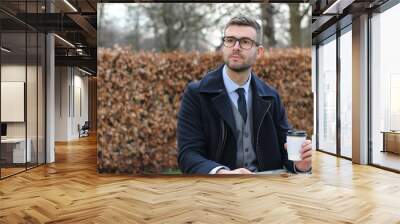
230, 85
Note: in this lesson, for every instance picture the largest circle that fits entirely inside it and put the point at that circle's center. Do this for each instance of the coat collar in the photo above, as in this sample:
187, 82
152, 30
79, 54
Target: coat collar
213, 83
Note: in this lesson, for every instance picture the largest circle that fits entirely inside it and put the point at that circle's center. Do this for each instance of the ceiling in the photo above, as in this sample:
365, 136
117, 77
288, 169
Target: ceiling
73, 21
328, 16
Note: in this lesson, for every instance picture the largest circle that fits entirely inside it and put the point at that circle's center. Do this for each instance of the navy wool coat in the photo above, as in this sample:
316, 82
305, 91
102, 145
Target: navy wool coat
206, 122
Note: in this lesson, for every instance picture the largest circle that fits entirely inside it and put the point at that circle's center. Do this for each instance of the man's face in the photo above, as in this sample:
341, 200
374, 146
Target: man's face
237, 58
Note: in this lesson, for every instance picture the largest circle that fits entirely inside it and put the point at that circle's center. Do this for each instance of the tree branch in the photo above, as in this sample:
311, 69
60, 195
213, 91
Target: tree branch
305, 12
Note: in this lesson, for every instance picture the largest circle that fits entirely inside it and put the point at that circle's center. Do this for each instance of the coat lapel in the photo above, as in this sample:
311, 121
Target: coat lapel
222, 104
213, 83
261, 106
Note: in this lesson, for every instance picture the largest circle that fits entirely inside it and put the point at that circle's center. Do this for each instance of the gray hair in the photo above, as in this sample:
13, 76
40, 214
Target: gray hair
246, 21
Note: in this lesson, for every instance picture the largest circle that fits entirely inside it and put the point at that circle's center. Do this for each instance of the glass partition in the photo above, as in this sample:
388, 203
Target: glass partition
13, 105
22, 90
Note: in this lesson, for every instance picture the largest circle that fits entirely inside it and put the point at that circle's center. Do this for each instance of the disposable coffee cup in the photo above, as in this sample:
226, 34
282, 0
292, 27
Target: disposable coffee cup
294, 141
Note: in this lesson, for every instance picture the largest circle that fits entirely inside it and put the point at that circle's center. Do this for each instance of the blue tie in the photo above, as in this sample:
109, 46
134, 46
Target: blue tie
242, 104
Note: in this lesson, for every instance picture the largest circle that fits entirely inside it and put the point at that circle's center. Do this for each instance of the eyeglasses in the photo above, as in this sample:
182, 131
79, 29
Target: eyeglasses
244, 43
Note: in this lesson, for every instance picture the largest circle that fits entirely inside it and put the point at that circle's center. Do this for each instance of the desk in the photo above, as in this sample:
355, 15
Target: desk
391, 141
15, 148
279, 171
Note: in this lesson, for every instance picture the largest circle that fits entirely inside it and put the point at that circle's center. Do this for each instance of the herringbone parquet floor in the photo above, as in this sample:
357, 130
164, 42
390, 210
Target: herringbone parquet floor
70, 191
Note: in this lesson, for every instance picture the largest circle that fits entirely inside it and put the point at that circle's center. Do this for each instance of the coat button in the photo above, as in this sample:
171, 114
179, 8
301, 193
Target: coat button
246, 134
246, 149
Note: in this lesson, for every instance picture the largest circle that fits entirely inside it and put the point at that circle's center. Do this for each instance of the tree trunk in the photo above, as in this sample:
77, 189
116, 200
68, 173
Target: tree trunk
100, 23
295, 17
267, 14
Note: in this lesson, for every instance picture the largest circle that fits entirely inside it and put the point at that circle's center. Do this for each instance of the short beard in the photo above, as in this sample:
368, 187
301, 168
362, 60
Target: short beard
239, 69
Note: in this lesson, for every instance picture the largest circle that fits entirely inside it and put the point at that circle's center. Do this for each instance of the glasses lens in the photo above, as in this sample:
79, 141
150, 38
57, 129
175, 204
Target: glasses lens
246, 43
229, 41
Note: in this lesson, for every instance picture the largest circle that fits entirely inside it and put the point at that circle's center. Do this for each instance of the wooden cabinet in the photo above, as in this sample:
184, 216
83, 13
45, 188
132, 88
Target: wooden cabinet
391, 142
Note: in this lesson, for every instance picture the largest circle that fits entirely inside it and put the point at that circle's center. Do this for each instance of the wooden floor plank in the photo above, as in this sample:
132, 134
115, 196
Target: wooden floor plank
71, 191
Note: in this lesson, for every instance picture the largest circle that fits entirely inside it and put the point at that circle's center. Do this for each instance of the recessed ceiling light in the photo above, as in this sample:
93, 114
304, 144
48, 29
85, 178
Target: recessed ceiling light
5, 50
86, 72
338, 6
70, 5
64, 40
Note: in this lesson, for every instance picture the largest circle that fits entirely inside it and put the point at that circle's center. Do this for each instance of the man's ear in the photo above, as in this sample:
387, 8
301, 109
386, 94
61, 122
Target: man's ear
260, 51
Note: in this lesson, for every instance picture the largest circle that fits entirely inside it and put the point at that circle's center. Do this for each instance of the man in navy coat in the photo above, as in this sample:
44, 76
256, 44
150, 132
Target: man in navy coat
231, 122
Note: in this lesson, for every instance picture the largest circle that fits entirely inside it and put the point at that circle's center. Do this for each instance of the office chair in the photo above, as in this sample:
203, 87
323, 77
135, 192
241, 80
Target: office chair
84, 130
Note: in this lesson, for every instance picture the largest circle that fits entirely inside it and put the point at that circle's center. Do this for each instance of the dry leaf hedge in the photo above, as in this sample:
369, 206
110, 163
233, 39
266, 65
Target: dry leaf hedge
139, 95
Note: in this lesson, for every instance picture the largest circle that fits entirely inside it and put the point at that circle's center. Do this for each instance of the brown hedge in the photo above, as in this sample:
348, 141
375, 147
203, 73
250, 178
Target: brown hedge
139, 96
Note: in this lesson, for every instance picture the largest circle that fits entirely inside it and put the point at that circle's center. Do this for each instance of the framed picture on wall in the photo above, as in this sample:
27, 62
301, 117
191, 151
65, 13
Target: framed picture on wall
12, 101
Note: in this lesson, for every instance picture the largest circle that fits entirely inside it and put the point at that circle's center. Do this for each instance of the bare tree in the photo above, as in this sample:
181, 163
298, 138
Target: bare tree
133, 37
297, 13
100, 19
183, 26
268, 12
177, 26
173, 26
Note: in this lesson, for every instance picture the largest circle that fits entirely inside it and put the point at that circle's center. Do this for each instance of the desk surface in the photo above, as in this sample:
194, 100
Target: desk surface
391, 132
13, 140
274, 172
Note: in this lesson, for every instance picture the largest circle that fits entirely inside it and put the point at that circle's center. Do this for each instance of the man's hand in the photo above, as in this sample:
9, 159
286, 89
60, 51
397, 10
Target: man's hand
305, 152
237, 171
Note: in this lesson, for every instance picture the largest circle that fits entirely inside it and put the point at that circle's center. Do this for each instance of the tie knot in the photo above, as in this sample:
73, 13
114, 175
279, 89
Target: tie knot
240, 91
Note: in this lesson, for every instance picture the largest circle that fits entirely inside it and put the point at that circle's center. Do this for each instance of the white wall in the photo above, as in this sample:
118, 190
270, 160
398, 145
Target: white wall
79, 117
33, 126
69, 85
12, 73
61, 103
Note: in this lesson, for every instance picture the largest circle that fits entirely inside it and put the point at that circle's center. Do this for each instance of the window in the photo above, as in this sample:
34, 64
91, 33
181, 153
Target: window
346, 93
385, 88
327, 96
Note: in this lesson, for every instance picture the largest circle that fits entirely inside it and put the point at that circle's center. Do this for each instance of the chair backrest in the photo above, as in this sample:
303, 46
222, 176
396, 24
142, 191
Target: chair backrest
86, 125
